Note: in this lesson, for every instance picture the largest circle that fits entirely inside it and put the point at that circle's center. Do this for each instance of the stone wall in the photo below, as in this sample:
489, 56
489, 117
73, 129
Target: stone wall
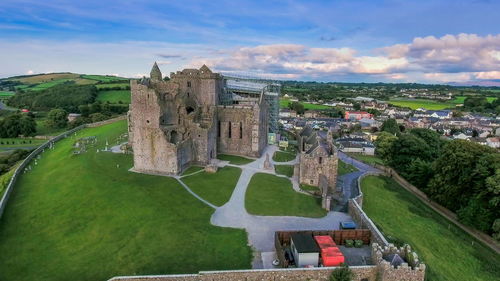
241, 130
411, 270
354, 208
365, 273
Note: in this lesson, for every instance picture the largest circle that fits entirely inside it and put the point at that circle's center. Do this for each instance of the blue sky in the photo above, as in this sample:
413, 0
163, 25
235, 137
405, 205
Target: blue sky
394, 41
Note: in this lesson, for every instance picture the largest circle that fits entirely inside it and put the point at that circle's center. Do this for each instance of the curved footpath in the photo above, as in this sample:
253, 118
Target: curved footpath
261, 229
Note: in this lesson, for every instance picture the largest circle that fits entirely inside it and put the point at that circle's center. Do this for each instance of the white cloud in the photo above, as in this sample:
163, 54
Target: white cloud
488, 75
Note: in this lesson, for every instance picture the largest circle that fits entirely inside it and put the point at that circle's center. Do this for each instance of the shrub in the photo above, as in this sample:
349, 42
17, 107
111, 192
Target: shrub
343, 273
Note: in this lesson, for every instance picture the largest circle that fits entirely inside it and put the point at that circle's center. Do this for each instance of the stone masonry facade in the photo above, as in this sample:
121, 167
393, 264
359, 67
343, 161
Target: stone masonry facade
318, 162
181, 122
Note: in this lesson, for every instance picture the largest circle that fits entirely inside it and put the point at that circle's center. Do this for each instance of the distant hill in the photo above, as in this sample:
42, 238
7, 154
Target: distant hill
43, 81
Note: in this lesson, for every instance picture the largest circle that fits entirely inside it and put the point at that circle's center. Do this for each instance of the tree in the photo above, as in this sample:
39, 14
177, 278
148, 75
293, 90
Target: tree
432, 139
383, 144
96, 117
405, 149
57, 118
466, 181
297, 107
27, 126
342, 273
356, 106
84, 110
391, 126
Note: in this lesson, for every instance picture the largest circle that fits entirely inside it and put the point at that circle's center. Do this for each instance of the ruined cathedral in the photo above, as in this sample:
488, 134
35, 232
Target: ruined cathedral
192, 117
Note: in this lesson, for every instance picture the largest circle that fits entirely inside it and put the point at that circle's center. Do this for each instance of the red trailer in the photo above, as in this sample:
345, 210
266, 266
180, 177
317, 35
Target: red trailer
332, 257
324, 241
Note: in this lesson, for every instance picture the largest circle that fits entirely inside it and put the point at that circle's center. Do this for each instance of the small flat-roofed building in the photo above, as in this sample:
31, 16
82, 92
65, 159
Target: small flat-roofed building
305, 250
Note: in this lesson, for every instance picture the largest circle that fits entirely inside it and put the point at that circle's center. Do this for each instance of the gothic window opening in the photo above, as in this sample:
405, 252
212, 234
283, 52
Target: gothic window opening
189, 84
218, 129
241, 130
321, 160
229, 130
189, 109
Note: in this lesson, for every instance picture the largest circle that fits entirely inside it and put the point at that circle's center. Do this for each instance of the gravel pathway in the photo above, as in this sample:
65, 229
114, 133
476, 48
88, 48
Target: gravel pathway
261, 229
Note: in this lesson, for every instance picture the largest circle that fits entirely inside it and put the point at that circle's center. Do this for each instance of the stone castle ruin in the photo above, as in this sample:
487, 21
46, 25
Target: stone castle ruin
318, 162
194, 116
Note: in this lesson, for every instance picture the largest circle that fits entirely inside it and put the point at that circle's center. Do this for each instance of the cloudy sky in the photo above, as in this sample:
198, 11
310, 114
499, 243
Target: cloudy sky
352, 41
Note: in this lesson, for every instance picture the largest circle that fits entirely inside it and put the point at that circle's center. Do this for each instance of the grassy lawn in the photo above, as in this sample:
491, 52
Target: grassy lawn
216, 188
418, 103
445, 249
192, 169
286, 170
19, 143
369, 159
234, 159
114, 96
345, 168
269, 195
85, 218
310, 188
280, 156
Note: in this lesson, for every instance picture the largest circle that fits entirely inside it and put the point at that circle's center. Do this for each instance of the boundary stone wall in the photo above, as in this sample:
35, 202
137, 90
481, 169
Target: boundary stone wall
368, 273
354, 208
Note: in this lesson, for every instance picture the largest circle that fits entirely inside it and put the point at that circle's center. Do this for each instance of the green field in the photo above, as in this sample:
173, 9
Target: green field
86, 217
344, 168
114, 96
445, 249
103, 78
19, 143
269, 195
421, 103
233, 159
286, 170
216, 188
114, 85
6, 94
461, 99
368, 159
284, 104
280, 156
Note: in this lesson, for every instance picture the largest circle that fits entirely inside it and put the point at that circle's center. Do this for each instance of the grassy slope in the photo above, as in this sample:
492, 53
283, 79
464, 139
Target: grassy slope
114, 96
461, 99
446, 250
286, 170
280, 156
80, 216
233, 159
344, 168
269, 195
215, 188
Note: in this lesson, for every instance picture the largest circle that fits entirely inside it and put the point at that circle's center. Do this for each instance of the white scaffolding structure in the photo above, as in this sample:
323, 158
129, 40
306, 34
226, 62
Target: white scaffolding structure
240, 90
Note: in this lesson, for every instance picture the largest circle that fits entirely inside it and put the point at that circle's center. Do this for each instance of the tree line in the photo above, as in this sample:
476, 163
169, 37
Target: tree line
461, 175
